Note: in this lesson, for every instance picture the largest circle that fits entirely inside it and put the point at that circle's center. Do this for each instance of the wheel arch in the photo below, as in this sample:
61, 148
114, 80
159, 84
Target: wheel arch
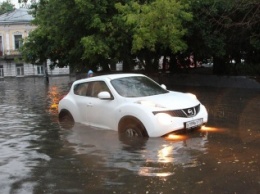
65, 112
69, 106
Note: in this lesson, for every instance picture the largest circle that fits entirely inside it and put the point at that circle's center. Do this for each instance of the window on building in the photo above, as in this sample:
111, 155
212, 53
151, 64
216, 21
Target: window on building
19, 70
1, 71
17, 41
1, 46
40, 70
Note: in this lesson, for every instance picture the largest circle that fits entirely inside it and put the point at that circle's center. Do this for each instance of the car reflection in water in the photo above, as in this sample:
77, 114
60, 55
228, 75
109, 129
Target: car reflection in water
145, 157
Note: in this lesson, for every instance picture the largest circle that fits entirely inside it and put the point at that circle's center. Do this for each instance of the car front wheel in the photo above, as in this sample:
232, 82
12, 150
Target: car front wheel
132, 128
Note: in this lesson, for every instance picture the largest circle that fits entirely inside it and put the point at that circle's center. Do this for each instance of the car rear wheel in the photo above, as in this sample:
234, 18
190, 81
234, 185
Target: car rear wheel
66, 119
132, 128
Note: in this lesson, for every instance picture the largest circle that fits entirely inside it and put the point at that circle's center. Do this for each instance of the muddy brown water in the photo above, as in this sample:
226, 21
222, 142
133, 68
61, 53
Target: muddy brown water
38, 156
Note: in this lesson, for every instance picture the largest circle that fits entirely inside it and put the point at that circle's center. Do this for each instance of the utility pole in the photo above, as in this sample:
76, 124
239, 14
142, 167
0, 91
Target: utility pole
46, 72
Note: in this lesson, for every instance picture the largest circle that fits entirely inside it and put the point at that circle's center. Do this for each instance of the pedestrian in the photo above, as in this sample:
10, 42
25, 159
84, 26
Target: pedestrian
90, 73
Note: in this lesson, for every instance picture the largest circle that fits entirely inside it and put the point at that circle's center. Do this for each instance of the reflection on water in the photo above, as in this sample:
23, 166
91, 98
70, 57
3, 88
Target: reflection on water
38, 156
150, 157
22, 108
54, 96
212, 129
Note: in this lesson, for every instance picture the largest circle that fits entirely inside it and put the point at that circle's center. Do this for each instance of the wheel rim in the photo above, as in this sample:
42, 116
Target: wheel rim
131, 132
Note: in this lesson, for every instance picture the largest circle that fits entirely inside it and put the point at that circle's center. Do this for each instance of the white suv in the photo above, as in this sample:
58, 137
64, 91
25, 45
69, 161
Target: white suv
132, 104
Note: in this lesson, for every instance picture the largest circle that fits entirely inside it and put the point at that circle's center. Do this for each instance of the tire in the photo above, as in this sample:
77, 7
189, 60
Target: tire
132, 128
66, 120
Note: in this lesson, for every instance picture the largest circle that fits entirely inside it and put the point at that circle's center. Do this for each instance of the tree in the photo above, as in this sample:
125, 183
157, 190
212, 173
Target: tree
84, 33
225, 30
57, 36
157, 23
156, 26
106, 38
6, 6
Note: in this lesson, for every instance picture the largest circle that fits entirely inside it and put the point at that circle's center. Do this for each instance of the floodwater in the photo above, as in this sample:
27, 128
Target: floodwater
38, 156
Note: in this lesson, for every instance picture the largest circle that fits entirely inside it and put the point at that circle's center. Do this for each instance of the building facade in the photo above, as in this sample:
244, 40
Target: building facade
15, 26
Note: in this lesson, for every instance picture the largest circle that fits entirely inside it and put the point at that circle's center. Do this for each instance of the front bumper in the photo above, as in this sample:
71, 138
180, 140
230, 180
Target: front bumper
162, 127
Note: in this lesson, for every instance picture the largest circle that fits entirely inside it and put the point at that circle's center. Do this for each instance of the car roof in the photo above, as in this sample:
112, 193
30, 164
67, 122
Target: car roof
107, 77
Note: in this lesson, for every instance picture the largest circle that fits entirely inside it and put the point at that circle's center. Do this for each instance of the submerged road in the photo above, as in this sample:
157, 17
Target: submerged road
38, 156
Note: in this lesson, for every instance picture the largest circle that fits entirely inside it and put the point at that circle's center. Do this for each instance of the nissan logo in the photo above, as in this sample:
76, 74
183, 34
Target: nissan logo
190, 111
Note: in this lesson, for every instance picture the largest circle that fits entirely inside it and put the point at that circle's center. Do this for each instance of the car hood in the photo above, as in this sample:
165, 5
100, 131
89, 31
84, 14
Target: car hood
171, 100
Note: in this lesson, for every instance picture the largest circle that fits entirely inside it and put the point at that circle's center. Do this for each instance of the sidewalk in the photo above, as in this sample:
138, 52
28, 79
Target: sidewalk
204, 77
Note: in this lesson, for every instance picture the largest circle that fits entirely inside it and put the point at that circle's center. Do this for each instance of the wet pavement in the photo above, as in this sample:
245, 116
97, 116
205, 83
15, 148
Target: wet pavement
38, 156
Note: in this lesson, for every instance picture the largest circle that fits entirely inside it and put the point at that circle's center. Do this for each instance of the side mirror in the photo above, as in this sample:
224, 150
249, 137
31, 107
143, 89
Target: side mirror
164, 86
104, 96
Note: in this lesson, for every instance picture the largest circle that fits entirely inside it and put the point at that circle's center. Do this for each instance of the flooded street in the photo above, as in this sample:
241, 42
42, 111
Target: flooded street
38, 156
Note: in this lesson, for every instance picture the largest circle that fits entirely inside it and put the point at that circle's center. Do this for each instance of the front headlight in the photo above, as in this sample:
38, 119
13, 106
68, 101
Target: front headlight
164, 118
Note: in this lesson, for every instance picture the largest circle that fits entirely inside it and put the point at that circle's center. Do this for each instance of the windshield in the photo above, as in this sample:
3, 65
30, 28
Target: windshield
137, 87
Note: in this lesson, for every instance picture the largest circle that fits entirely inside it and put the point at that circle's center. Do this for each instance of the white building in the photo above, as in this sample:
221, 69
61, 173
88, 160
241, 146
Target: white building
15, 26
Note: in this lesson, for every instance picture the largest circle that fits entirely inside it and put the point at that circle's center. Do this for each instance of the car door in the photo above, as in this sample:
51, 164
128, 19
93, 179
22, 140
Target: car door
101, 112
82, 100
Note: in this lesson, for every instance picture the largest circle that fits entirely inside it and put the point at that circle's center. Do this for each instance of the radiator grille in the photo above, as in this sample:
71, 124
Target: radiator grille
188, 112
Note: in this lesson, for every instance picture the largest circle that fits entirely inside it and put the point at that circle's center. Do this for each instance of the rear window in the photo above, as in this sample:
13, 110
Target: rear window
81, 89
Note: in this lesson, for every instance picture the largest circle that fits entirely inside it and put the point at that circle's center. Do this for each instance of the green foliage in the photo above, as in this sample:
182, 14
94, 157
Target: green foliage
255, 41
81, 32
84, 33
6, 6
225, 30
58, 34
157, 23
97, 45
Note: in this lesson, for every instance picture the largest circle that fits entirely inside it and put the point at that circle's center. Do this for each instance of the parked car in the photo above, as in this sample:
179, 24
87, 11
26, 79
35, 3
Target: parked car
132, 104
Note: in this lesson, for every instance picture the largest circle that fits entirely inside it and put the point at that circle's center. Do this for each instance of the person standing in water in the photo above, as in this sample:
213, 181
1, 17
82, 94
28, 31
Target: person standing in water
90, 73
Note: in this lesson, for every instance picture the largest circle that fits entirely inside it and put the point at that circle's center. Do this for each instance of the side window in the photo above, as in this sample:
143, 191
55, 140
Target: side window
40, 70
81, 89
19, 70
98, 87
17, 41
1, 71
1, 46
